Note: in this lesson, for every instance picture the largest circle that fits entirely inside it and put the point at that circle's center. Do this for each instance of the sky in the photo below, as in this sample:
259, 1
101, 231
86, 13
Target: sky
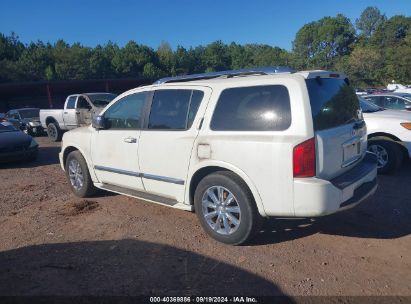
179, 22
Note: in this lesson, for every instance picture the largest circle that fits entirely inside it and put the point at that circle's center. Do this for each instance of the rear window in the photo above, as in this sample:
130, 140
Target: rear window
333, 103
258, 108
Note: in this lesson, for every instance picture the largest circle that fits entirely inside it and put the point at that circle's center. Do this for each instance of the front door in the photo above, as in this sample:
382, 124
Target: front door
69, 112
83, 111
114, 149
166, 143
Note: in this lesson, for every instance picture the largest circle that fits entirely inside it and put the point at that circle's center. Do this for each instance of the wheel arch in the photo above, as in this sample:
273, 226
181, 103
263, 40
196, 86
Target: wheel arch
383, 136
51, 119
210, 167
390, 137
70, 148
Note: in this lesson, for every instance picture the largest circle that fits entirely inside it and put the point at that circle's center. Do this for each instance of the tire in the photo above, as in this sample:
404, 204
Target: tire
227, 231
53, 132
389, 155
77, 171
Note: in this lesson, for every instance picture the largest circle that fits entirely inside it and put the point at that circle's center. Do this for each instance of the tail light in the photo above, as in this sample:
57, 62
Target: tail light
304, 159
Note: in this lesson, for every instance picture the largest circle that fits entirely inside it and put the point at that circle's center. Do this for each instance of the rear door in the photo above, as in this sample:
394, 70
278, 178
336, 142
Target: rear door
166, 143
338, 125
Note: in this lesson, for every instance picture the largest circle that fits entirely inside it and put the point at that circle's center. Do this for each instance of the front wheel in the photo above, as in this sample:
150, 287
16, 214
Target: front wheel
389, 155
78, 175
226, 208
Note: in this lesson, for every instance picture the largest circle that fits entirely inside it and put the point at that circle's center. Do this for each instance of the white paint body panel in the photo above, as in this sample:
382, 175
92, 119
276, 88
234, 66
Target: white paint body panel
389, 122
264, 160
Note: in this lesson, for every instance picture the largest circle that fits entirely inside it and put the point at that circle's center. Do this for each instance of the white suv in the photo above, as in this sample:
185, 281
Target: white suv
235, 146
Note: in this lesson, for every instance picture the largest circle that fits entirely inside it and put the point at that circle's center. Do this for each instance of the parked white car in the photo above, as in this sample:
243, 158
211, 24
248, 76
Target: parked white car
398, 88
78, 111
389, 135
235, 146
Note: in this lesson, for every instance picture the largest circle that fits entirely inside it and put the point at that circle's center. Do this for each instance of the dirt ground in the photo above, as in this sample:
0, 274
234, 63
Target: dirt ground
52, 243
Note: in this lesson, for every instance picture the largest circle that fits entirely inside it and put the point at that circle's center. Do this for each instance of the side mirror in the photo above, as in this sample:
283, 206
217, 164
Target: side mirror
98, 122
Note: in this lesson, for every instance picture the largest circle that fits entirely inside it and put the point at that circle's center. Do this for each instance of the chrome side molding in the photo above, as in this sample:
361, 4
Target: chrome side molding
160, 178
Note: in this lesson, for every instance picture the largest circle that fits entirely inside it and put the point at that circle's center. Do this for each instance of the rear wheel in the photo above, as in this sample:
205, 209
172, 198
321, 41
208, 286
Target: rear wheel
389, 155
226, 208
53, 132
79, 176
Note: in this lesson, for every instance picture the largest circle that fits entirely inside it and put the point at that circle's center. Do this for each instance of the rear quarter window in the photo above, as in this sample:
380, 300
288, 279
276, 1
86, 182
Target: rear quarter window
257, 108
333, 103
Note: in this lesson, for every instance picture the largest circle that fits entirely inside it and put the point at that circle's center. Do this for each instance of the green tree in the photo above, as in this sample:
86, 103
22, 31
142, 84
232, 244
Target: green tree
216, 57
319, 44
130, 60
370, 20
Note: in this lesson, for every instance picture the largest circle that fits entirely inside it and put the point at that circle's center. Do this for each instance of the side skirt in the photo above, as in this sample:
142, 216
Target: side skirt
145, 196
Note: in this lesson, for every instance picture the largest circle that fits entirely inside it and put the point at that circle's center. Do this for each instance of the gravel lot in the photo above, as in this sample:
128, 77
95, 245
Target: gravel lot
52, 243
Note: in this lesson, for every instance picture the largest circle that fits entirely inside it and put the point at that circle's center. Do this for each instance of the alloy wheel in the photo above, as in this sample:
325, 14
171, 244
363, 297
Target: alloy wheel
382, 155
75, 174
221, 210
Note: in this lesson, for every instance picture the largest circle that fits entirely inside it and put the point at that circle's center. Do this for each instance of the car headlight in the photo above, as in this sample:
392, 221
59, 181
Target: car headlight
33, 143
34, 124
406, 125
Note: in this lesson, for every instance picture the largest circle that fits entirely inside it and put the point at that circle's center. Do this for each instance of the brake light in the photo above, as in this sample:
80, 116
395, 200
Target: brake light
304, 159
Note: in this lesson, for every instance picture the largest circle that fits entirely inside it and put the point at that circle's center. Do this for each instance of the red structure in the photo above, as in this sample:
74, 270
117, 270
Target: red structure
51, 94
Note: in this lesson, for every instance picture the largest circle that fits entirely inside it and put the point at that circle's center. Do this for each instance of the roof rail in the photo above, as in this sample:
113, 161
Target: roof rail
229, 73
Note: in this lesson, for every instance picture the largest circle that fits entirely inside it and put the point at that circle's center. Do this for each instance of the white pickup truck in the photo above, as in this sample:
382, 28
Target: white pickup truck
78, 111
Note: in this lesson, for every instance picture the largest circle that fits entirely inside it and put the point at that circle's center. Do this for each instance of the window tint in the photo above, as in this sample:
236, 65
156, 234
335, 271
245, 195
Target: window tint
378, 100
126, 113
259, 108
174, 109
333, 103
196, 99
71, 103
394, 103
82, 103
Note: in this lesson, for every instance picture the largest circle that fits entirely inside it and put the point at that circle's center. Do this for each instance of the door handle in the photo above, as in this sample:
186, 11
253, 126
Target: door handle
65, 112
130, 140
77, 112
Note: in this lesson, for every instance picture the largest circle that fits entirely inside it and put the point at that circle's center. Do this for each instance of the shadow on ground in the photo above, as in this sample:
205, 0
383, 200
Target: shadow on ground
384, 216
46, 156
124, 267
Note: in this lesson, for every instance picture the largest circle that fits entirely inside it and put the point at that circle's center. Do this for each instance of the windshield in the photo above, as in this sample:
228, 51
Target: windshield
368, 107
333, 102
101, 100
29, 113
6, 127
407, 96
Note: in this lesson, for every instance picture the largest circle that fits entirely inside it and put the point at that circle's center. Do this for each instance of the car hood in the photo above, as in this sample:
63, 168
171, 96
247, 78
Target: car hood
403, 115
34, 119
14, 138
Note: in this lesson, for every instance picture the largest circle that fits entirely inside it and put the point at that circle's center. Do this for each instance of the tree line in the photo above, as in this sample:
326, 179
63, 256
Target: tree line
373, 51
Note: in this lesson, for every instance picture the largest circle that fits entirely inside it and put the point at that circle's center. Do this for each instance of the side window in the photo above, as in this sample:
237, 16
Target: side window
196, 99
258, 108
393, 103
82, 103
371, 99
127, 112
71, 103
174, 109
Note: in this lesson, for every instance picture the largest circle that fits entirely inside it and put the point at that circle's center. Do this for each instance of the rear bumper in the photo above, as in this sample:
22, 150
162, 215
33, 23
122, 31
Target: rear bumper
317, 197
